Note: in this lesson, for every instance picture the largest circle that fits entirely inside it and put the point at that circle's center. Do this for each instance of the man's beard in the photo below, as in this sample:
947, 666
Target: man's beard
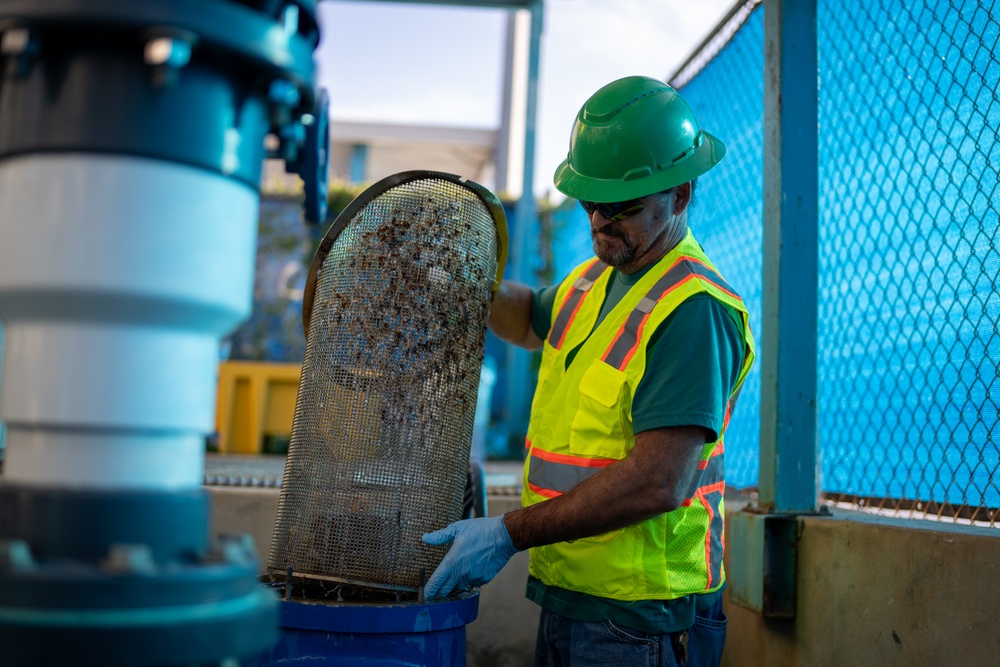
618, 256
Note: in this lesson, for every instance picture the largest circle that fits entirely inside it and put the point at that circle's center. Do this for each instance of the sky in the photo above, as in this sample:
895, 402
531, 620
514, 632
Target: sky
406, 62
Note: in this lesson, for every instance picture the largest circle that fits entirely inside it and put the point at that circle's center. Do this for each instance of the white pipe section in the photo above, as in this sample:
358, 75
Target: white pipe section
515, 109
118, 276
76, 459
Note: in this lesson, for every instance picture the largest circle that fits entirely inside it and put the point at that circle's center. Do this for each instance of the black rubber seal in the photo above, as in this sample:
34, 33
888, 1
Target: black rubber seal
83, 85
95, 100
67, 603
82, 525
244, 33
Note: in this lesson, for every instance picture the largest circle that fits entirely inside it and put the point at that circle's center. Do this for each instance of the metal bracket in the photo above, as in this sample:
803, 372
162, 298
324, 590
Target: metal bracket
763, 557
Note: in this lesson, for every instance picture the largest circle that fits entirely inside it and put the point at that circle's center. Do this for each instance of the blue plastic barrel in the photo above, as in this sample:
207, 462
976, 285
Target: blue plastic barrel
425, 634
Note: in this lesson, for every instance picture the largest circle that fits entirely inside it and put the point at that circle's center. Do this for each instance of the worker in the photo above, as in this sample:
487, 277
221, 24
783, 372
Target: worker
645, 348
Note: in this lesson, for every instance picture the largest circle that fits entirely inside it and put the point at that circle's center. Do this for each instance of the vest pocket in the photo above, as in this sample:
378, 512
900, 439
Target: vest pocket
598, 427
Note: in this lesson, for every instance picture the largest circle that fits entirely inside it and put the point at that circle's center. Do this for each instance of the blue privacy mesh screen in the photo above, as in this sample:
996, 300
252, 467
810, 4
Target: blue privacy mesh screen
909, 263
909, 299
909, 255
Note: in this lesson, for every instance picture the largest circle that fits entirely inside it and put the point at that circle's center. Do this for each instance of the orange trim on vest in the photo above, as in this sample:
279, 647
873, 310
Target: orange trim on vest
583, 462
708, 540
720, 449
638, 331
580, 295
711, 488
548, 493
702, 491
726, 289
666, 292
572, 316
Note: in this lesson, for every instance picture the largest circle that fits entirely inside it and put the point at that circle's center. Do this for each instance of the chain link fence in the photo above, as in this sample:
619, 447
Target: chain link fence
728, 102
909, 296
909, 301
727, 97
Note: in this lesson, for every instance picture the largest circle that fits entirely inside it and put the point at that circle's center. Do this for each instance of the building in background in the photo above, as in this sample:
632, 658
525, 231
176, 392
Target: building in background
365, 152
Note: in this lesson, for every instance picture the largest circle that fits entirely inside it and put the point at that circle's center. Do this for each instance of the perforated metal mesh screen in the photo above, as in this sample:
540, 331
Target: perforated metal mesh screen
380, 442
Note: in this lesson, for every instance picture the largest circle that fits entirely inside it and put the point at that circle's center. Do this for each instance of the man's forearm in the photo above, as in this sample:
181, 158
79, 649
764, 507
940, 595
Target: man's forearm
595, 506
510, 315
652, 480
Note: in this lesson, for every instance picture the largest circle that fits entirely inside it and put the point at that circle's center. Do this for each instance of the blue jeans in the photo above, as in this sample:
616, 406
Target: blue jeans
563, 642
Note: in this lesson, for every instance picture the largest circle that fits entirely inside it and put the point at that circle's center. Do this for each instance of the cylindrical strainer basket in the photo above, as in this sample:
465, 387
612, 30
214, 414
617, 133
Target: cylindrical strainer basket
395, 313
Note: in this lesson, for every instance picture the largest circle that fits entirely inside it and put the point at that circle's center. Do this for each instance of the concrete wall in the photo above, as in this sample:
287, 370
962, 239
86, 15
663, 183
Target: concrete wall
871, 592
881, 592
245, 510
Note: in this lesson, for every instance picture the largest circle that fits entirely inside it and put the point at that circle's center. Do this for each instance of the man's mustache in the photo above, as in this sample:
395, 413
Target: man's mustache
611, 229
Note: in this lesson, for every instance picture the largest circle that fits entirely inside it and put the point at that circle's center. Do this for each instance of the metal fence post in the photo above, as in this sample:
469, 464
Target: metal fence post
789, 461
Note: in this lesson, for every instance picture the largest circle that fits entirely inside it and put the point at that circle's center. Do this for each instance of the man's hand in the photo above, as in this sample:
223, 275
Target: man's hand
481, 548
510, 315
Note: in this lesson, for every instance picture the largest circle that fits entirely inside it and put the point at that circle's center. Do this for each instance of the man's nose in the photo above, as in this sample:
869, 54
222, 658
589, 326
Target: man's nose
598, 221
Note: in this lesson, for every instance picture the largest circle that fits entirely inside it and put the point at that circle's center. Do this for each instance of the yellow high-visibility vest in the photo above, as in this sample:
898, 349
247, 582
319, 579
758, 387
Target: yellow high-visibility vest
581, 422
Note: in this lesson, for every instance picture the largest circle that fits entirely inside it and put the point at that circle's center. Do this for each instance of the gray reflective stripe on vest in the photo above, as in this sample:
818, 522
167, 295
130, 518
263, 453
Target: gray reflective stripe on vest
715, 539
617, 355
580, 289
708, 492
713, 473
560, 477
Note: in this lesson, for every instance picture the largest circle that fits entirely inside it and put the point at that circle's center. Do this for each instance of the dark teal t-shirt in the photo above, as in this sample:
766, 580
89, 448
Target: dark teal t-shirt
693, 362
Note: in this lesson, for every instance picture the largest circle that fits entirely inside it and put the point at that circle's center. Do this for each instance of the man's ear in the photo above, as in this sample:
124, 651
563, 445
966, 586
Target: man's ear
682, 197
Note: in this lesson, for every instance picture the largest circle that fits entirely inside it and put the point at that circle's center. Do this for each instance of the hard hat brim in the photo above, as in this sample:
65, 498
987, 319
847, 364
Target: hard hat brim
579, 186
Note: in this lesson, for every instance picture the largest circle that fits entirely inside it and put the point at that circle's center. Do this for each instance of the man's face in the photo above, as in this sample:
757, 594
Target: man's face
625, 243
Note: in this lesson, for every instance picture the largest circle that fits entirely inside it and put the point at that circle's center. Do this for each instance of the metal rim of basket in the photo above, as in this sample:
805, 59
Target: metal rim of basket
488, 198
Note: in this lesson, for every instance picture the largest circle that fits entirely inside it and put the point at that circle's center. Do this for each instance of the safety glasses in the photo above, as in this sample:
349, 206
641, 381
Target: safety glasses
614, 211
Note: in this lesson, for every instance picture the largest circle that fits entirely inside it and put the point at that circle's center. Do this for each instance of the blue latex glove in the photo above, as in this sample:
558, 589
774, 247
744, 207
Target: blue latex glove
481, 548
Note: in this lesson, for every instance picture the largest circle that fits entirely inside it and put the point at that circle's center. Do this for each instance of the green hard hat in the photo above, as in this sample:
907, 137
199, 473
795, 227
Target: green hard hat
633, 137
